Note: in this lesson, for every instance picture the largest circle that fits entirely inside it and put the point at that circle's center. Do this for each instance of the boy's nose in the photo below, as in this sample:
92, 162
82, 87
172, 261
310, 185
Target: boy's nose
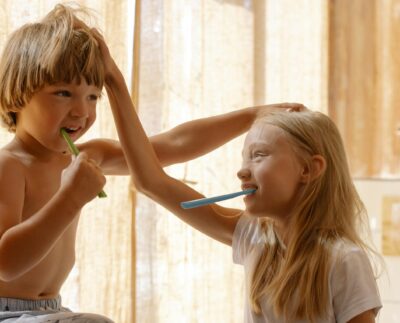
80, 110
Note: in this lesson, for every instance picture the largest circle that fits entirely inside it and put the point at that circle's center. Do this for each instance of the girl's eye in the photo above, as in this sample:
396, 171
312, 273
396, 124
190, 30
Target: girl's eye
258, 154
63, 93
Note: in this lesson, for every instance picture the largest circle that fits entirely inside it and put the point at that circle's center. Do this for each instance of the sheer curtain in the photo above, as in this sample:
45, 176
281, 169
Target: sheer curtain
135, 261
201, 58
364, 77
102, 279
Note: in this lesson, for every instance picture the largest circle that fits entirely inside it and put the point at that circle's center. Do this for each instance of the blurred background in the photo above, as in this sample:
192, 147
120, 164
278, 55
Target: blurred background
186, 59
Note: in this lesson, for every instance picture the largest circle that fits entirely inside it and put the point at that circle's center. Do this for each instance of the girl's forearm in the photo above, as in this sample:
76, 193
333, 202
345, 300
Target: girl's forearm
198, 137
132, 136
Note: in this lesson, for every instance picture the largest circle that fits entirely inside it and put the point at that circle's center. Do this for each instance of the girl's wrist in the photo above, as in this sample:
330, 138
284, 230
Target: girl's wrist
113, 75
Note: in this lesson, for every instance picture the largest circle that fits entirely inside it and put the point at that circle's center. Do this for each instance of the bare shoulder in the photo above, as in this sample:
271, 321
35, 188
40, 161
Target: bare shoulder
12, 188
9, 161
100, 149
107, 153
12, 171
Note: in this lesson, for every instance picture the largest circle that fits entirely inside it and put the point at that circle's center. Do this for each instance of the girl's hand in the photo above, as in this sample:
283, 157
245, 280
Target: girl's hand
264, 110
110, 67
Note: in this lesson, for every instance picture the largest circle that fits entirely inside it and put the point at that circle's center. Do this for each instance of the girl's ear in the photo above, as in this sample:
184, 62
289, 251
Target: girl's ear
313, 170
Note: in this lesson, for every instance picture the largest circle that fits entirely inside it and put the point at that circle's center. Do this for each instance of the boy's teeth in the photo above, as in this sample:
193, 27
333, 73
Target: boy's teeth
71, 129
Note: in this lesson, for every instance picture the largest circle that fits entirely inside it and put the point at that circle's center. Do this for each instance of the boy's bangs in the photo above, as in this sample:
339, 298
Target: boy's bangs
80, 59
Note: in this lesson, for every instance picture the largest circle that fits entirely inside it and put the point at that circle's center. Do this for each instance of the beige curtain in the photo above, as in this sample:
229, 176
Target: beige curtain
201, 58
364, 82
101, 280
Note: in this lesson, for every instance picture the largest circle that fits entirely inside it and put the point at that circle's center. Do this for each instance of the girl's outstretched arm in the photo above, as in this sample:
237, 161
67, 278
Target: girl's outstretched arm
183, 142
191, 139
148, 175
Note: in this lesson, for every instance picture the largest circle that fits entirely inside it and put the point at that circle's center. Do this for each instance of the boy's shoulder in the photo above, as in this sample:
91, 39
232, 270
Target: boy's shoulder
10, 161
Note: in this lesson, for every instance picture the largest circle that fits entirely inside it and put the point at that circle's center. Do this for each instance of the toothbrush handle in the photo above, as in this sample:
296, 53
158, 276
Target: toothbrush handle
211, 200
75, 151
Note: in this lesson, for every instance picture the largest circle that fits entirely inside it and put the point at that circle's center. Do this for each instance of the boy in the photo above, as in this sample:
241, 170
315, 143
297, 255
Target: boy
51, 76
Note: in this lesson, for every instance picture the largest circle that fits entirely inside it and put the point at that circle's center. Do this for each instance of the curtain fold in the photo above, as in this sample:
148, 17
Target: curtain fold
364, 77
202, 58
135, 261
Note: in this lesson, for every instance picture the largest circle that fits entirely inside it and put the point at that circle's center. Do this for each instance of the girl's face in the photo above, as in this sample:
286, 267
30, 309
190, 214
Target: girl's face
270, 166
61, 105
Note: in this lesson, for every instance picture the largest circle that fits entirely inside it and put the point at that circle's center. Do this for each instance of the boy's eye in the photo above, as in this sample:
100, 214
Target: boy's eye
63, 93
94, 97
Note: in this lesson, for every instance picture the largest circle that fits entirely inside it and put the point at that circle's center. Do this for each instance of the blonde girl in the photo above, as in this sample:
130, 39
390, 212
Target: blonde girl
298, 236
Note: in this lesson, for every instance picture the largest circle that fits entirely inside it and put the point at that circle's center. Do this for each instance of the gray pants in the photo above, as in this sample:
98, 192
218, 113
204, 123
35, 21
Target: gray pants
40, 311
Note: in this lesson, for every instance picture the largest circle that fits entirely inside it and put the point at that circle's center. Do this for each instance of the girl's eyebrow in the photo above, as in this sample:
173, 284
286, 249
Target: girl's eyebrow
262, 145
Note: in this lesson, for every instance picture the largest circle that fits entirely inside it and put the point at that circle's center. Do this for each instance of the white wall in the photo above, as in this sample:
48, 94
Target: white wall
373, 193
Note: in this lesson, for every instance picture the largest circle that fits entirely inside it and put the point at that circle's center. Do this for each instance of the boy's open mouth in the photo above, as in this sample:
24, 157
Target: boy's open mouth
72, 129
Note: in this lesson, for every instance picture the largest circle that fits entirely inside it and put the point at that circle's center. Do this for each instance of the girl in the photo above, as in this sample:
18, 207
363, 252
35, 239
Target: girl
297, 238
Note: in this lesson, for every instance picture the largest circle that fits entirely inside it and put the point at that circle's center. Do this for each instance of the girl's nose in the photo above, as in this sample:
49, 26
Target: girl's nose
243, 173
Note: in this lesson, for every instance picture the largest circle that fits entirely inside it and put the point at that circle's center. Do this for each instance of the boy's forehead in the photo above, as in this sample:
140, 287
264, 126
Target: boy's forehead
76, 82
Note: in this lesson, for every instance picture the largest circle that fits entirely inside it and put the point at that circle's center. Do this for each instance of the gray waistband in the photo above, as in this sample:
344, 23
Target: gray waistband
17, 304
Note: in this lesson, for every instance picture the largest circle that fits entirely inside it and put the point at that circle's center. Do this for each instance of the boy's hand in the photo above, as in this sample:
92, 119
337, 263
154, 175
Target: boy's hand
82, 180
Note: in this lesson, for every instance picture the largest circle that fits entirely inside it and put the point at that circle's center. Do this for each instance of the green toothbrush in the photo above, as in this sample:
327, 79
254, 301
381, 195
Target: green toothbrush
75, 151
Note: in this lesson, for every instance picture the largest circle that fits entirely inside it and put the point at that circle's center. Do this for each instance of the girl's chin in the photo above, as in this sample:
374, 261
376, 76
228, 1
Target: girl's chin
252, 211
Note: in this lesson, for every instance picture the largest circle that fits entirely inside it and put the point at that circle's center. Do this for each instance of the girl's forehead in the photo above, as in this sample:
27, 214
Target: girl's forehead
266, 133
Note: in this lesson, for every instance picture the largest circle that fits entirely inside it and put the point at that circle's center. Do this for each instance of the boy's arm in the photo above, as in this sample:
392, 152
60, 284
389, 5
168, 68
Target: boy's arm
186, 141
26, 239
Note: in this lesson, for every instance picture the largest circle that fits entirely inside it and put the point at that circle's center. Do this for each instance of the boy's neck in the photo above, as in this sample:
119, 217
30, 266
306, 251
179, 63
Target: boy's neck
32, 148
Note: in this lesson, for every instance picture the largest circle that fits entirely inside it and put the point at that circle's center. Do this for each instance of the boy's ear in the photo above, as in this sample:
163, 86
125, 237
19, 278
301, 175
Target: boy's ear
318, 166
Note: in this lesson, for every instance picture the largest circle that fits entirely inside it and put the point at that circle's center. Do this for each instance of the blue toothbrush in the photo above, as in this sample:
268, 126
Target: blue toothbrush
211, 200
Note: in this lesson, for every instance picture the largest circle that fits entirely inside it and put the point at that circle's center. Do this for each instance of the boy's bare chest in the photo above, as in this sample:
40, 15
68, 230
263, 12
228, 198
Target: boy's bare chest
42, 183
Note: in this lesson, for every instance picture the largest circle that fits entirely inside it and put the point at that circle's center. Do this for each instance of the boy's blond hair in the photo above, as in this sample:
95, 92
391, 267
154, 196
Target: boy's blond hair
295, 279
60, 48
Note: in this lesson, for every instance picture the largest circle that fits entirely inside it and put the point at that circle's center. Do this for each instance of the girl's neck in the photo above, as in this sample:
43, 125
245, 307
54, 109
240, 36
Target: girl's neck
282, 228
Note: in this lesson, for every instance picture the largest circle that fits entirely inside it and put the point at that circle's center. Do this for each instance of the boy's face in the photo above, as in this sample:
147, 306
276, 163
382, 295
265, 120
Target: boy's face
271, 166
61, 105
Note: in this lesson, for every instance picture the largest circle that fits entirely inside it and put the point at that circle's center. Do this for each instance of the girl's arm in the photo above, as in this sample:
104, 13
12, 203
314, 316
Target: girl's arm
148, 175
183, 142
150, 178
192, 139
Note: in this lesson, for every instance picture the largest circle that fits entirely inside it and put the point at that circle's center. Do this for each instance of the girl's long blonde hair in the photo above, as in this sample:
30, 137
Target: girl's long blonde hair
53, 50
295, 279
